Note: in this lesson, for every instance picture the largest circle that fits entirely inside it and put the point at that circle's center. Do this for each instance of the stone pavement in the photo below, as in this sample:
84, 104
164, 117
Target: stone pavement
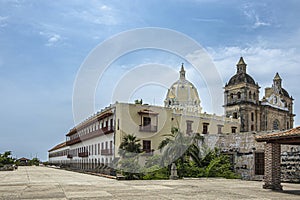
49, 183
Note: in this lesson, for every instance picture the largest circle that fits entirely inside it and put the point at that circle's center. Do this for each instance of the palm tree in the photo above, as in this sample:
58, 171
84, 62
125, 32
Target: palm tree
174, 147
178, 146
129, 146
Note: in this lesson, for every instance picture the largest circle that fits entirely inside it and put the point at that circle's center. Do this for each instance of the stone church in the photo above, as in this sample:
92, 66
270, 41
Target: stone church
241, 100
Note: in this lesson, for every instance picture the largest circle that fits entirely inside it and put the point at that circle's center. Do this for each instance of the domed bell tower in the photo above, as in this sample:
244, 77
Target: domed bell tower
241, 99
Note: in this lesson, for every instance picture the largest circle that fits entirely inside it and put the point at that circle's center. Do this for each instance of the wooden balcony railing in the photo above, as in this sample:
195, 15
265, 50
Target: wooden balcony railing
83, 154
106, 152
70, 156
148, 128
93, 134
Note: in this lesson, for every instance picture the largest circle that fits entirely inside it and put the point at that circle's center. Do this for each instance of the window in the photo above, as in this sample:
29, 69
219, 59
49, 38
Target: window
254, 96
238, 95
287, 125
276, 125
118, 125
235, 115
275, 100
111, 123
111, 145
252, 116
146, 121
259, 161
233, 129
220, 129
250, 95
231, 96
147, 146
252, 127
205, 128
189, 127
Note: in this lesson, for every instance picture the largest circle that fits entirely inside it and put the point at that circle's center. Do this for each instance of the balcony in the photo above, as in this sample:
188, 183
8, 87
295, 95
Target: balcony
106, 152
73, 141
70, 156
148, 128
93, 134
83, 154
107, 130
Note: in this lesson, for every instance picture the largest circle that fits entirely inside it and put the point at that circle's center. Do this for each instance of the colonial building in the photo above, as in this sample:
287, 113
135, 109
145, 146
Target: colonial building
96, 140
241, 100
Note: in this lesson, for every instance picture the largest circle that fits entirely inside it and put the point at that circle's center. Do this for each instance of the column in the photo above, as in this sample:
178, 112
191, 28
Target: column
272, 177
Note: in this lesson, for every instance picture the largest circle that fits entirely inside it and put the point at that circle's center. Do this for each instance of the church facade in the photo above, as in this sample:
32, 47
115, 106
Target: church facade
241, 100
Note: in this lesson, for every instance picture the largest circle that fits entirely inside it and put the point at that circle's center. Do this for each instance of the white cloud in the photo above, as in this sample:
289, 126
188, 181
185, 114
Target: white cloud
251, 11
259, 23
105, 8
263, 63
52, 38
208, 20
96, 13
3, 21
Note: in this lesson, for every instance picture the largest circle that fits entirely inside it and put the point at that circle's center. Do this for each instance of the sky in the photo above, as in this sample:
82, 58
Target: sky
43, 45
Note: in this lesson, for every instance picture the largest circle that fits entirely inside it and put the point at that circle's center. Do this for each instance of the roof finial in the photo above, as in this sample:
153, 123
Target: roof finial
182, 72
241, 66
277, 77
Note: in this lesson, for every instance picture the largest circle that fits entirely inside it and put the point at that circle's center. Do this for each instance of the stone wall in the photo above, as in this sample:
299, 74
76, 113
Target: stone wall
290, 163
241, 147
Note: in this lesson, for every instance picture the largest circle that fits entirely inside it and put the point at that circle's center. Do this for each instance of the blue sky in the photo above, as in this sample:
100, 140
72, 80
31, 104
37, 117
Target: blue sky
44, 43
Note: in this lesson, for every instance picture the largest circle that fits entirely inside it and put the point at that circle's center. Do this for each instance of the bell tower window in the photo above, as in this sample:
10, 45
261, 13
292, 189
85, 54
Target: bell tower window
235, 115
276, 125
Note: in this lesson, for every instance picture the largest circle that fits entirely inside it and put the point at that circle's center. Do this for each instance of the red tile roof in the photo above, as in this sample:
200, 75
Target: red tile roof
288, 134
61, 145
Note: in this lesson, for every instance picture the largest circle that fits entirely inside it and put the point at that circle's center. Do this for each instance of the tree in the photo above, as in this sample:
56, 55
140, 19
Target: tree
6, 159
129, 150
130, 145
34, 161
174, 149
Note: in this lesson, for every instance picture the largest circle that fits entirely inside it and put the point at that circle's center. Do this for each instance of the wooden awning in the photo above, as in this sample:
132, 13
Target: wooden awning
147, 112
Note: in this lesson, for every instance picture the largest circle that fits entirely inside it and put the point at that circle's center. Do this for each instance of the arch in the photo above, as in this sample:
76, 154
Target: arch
231, 96
250, 95
254, 96
239, 95
276, 124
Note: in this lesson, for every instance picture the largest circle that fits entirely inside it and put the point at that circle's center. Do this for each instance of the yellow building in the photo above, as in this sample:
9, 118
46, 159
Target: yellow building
96, 140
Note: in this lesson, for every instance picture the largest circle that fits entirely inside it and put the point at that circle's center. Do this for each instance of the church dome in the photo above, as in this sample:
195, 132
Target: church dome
241, 78
182, 94
241, 75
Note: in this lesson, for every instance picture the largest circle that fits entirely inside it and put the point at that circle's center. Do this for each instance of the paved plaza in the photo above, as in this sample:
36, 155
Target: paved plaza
49, 183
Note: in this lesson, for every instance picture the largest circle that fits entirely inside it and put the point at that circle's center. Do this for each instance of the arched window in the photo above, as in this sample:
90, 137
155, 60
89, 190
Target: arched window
275, 124
275, 100
238, 95
250, 95
254, 96
231, 96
